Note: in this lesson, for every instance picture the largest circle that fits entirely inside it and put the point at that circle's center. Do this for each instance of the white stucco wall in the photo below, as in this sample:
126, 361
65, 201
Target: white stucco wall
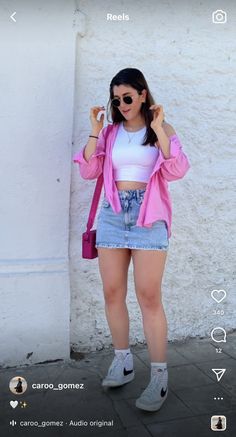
189, 64
37, 85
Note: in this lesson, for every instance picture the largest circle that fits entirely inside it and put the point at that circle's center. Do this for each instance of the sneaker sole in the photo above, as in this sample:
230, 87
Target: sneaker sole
112, 383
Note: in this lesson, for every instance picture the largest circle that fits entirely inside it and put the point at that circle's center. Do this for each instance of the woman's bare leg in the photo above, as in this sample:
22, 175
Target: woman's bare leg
113, 266
148, 271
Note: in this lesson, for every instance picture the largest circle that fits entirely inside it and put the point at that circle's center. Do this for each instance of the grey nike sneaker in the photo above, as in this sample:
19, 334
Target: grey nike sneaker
120, 371
155, 394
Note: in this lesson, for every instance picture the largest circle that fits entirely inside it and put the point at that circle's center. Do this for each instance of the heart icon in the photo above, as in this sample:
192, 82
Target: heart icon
218, 295
13, 404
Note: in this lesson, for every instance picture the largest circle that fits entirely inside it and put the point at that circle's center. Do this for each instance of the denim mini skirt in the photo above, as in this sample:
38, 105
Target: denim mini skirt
119, 230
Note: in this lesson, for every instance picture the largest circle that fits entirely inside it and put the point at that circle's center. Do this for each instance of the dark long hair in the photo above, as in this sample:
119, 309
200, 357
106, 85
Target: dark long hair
134, 78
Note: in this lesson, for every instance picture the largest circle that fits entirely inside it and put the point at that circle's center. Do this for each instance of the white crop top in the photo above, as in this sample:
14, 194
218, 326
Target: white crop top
132, 161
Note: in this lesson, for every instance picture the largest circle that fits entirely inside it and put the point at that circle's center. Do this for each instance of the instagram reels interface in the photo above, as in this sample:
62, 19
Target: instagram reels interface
117, 262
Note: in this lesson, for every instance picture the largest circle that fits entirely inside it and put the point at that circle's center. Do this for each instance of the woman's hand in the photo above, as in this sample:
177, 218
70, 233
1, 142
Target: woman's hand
158, 117
97, 125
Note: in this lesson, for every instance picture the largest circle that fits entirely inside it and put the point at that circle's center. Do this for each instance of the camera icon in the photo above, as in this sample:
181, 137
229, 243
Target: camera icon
219, 17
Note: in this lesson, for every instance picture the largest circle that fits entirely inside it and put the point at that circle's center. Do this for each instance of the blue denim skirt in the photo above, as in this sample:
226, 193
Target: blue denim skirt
119, 230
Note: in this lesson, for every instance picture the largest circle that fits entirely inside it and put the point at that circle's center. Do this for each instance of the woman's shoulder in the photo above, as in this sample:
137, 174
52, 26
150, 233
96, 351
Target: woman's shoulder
169, 130
109, 128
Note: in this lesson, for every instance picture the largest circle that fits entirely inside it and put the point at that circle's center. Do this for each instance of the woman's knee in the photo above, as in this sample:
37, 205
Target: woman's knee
150, 298
114, 295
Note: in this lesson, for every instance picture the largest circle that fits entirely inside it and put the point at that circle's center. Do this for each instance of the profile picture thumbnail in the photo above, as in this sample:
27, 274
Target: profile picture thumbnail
18, 385
218, 423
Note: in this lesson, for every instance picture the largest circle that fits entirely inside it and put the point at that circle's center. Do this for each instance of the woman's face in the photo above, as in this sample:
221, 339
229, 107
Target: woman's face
129, 111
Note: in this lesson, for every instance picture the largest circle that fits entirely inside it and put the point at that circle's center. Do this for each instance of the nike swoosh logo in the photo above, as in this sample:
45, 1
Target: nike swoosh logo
163, 392
127, 372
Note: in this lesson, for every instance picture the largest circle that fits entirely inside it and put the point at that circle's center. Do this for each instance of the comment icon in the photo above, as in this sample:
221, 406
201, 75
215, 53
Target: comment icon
218, 335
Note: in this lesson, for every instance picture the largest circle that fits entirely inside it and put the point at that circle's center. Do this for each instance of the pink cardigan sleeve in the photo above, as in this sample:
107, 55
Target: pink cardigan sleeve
177, 165
92, 168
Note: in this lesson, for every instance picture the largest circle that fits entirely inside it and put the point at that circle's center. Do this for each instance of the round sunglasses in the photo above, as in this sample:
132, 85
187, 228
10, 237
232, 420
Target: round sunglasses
127, 99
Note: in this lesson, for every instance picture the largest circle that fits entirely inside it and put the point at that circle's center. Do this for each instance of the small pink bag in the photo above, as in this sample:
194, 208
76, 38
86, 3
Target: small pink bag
89, 251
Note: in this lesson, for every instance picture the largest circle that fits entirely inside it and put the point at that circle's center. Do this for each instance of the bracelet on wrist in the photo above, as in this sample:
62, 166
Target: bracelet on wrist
92, 136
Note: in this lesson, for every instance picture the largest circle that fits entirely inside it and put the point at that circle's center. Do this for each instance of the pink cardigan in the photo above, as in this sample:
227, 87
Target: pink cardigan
156, 203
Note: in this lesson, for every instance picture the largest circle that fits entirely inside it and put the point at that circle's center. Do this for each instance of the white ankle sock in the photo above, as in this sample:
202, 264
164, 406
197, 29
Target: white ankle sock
123, 351
159, 367
128, 358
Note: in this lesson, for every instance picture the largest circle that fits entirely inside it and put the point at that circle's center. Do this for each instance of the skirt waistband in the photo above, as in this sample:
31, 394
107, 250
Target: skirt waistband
131, 194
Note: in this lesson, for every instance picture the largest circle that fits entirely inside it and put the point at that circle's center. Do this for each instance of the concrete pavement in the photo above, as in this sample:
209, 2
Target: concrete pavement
87, 409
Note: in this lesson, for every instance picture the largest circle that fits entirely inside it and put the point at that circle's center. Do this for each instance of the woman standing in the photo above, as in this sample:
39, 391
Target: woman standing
138, 155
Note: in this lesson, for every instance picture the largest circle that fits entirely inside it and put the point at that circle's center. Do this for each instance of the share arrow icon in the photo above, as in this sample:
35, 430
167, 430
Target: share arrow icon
219, 373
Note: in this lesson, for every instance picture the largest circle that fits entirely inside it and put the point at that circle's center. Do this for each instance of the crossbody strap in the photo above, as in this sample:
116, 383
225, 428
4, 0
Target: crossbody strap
97, 191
